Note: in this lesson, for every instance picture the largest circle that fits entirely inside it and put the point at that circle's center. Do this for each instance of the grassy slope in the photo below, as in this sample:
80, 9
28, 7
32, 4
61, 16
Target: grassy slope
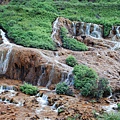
29, 22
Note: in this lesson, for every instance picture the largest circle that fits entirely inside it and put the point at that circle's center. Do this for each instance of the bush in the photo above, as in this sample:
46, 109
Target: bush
83, 75
85, 79
111, 116
29, 89
62, 88
71, 61
70, 43
96, 89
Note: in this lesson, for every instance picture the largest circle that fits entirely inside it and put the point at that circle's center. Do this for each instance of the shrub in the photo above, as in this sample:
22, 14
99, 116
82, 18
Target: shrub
89, 89
71, 43
29, 89
62, 88
83, 75
111, 116
85, 79
71, 61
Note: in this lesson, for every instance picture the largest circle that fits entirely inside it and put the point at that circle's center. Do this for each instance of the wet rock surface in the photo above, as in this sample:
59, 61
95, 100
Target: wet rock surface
47, 68
57, 107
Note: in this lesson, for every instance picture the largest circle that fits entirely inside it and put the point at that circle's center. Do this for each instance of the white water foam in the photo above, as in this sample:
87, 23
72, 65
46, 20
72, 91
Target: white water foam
55, 30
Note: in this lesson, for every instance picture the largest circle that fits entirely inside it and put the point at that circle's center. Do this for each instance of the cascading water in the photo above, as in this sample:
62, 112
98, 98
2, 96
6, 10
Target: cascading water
6, 88
116, 38
118, 32
41, 76
74, 28
4, 60
5, 40
69, 80
82, 28
50, 76
96, 33
116, 46
43, 101
87, 31
55, 31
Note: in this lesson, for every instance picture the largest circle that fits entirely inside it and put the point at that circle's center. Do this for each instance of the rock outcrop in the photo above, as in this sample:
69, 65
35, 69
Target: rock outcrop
4, 2
32, 65
46, 68
81, 30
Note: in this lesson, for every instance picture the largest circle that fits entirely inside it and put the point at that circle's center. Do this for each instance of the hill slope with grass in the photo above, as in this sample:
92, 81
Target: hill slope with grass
29, 23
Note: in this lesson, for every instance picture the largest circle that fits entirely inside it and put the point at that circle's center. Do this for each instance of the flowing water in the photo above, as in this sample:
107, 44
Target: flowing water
51, 75
116, 46
5, 40
55, 31
69, 80
10, 92
87, 31
41, 76
117, 43
74, 28
6, 88
96, 33
118, 31
4, 60
82, 28
43, 101
113, 99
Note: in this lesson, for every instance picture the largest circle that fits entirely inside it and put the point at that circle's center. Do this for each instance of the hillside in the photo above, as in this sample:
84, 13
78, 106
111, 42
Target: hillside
59, 59
29, 23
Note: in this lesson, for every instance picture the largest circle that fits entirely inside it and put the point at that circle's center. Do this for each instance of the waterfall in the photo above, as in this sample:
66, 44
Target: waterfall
74, 28
51, 76
63, 76
55, 31
96, 33
87, 32
115, 37
5, 40
41, 76
82, 28
118, 32
69, 80
5, 61
43, 100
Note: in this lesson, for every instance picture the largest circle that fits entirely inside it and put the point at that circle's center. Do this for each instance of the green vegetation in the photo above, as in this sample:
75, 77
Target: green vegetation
118, 105
62, 88
71, 61
83, 75
29, 89
110, 116
71, 43
29, 23
86, 80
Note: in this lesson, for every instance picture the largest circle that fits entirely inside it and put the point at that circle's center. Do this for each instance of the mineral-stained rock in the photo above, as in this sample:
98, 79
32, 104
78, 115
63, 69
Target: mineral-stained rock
31, 65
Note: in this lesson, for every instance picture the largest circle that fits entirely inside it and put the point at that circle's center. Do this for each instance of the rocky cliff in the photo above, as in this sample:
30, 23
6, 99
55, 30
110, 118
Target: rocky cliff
46, 68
